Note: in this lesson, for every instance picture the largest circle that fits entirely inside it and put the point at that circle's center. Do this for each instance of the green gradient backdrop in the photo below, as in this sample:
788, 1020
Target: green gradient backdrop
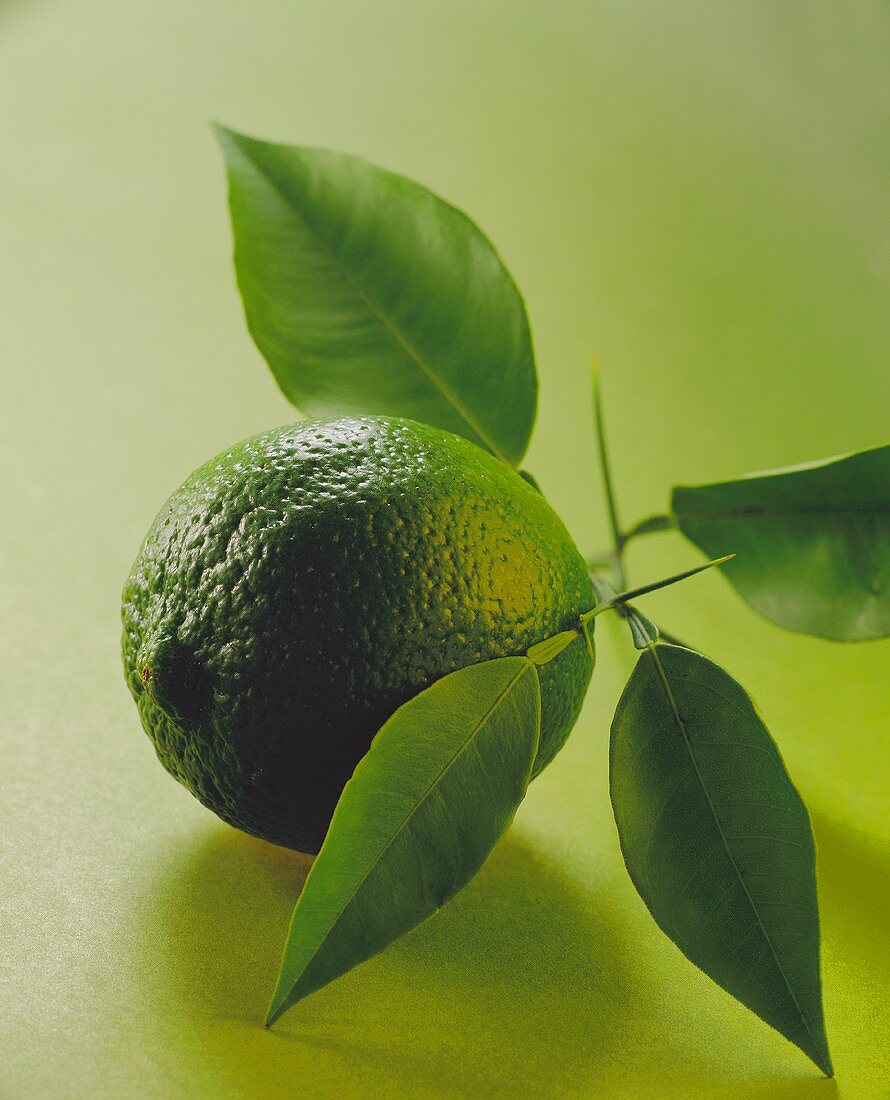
696, 190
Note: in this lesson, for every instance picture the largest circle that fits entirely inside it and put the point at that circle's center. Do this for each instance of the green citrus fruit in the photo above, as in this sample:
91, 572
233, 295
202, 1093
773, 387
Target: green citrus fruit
301, 586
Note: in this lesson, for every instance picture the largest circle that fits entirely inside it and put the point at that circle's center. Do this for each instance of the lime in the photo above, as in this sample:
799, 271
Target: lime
301, 586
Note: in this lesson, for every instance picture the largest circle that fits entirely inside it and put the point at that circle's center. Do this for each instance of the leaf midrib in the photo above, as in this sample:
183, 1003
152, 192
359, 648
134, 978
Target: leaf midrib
414, 809
681, 726
755, 511
379, 314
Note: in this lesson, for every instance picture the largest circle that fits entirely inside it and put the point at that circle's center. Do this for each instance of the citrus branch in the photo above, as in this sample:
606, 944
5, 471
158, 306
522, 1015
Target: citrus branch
609, 600
618, 538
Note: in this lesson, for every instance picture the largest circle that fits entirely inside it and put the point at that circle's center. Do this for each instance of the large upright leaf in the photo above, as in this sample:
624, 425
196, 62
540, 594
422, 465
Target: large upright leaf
717, 840
813, 542
367, 293
438, 788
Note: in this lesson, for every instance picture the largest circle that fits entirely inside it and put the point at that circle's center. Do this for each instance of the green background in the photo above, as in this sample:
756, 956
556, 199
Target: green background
697, 191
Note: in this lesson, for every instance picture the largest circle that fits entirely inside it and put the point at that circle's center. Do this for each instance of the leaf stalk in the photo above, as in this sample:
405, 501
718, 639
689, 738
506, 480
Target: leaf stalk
617, 600
649, 526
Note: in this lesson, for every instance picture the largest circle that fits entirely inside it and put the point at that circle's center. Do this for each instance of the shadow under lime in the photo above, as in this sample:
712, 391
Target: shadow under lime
526, 983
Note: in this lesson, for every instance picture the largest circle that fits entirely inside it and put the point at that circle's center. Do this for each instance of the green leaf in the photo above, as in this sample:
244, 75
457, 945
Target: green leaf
437, 789
717, 840
544, 652
813, 542
603, 591
530, 478
643, 631
366, 293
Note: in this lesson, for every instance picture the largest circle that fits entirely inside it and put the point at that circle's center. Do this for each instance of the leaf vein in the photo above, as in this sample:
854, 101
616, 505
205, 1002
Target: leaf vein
420, 801
684, 733
382, 319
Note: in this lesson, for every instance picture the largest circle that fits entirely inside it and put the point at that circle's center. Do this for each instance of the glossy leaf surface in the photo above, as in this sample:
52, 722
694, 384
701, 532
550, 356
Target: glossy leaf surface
366, 293
717, 840
438, 788
544, 652
813, 542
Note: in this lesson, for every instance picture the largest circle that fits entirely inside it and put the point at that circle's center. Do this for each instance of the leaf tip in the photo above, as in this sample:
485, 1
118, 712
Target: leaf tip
276, 1010
227, 138
282, 999
221, 132
821, 1057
